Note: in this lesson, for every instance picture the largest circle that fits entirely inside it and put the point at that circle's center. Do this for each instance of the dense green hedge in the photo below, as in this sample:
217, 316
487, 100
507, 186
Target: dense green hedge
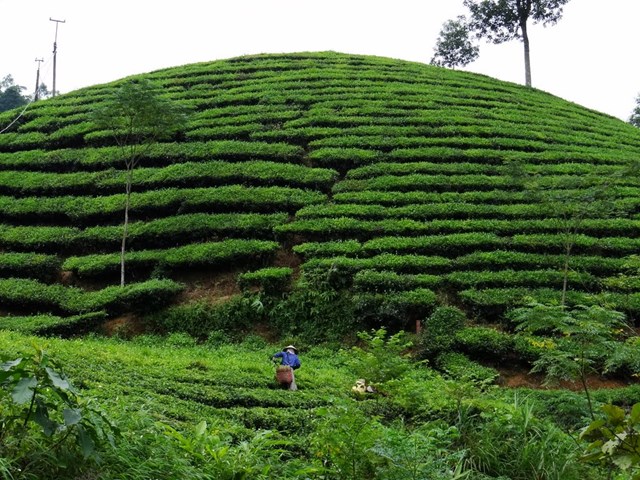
345, 266
513, 278
492, 303
519, 260
270, 280
84, 209
29, 265
187, 174
162, 232
53, 325
388, 281
156, 155
346, 227
33, 296
394, 309
212, 254
496, 197
329, 249
450, 210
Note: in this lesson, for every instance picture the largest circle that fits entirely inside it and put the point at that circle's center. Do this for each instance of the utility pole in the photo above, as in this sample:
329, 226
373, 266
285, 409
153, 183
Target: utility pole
55, 50
36, 94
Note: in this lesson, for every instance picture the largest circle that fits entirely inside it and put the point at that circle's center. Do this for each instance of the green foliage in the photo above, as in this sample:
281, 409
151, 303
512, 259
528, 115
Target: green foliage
380, 358
453, 46
344, 439
44, 415
33, 295
484, 342
54, 325
634, 118
614, 440
29, 265
439, 331
459, 367
314, 309
263, 456
11, 94
269, 280
584, 338
211, 254
201, 320
420, 453
395, 310
510, 442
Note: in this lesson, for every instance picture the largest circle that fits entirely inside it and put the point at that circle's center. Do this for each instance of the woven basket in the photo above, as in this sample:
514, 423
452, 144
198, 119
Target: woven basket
284, 375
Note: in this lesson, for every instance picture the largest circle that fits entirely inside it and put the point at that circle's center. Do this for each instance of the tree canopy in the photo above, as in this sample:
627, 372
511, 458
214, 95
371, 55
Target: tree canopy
11, 94
499, 21
454, 47
634, 119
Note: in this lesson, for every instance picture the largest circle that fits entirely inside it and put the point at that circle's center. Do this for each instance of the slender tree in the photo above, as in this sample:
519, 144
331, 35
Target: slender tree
634, 119
137, 116
454, 46
500, 21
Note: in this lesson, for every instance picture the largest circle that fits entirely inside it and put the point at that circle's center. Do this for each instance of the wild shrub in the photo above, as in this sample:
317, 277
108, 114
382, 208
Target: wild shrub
269, 280
458, 367
314, 309
201, 319
511, 441
484, 342
46, 426
439, 331
380, 358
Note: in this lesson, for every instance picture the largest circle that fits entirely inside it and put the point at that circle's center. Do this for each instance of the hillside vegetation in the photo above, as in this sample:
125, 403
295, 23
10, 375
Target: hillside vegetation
314, 198
409, 186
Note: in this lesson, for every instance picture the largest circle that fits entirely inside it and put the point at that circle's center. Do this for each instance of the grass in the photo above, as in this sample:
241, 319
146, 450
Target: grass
159, 389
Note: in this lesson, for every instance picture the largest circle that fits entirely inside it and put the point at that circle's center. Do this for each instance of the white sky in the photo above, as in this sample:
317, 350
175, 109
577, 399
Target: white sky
590, 57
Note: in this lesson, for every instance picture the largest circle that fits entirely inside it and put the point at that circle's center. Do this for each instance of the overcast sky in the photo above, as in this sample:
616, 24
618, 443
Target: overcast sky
590, 57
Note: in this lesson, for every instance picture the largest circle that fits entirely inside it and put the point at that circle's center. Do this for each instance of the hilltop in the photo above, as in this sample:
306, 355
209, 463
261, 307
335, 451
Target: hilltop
400, 186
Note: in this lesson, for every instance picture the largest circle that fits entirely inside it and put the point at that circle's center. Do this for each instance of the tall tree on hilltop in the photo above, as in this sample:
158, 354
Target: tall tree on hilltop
11, 94
454, 47
634, 119
137, 116
500, 21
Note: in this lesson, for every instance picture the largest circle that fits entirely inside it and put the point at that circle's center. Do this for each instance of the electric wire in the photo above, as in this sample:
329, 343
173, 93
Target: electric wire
47, 66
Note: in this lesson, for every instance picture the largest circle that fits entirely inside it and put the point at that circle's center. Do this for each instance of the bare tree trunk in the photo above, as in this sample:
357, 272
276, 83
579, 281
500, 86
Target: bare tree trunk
527, 58
125, 229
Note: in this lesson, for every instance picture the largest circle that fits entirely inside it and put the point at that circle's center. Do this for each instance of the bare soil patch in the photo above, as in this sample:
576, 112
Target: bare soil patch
516, 378
208, 286
127, 326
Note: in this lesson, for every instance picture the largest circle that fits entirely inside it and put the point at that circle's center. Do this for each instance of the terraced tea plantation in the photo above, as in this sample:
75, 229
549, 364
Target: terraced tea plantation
308, 198
413, 186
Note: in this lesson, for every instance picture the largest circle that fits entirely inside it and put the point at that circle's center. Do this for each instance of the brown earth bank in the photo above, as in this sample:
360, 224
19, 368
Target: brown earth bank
519, 378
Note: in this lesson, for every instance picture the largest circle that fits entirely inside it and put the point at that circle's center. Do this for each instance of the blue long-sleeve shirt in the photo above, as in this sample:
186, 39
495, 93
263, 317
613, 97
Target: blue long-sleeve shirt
288, 359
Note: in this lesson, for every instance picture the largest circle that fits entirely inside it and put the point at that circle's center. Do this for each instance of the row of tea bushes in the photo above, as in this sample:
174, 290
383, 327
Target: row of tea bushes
200, 255
162, 232
33, 296
82, 210
158, 154
187, 174
327, 229
490, 197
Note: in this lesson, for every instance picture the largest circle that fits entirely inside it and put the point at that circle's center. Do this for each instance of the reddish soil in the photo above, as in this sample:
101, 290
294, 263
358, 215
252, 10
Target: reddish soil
286, 258
212, 288
127, 325
514, 378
